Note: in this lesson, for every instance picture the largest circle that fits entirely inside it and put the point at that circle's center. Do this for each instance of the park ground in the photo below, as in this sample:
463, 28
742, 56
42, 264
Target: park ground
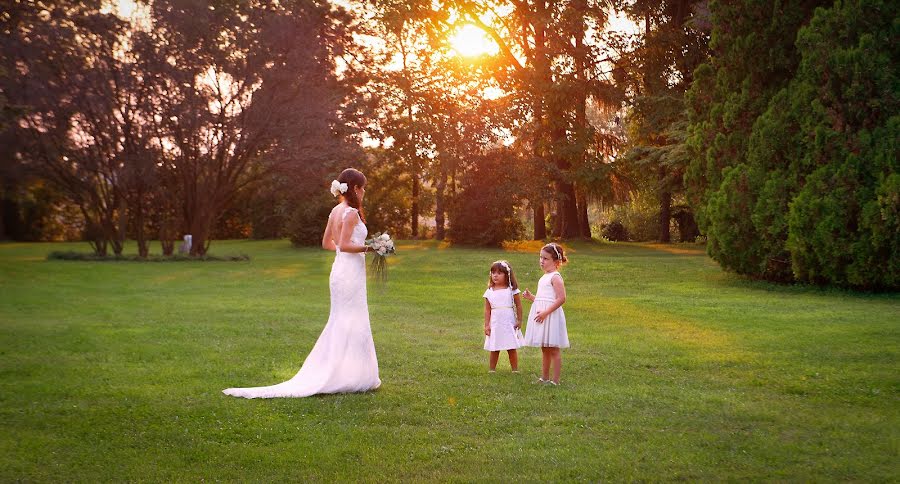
677, 371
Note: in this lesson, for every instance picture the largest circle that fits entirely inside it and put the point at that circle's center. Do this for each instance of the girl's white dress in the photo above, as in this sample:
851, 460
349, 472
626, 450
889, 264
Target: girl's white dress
551, 332
343, 359
504, 335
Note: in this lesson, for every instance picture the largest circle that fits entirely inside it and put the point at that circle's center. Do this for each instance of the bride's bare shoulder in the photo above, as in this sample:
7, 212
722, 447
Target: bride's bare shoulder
343, 213
337, 211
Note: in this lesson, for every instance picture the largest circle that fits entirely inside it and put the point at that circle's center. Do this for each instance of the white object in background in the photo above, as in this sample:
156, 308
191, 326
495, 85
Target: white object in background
186, 245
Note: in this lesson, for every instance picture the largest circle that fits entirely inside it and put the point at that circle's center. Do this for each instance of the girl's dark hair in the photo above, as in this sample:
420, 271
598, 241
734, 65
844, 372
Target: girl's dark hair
353, 178
556, 252
510, 277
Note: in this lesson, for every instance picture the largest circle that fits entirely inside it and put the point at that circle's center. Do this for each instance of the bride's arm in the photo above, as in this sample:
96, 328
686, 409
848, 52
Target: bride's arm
327, 237
345, 245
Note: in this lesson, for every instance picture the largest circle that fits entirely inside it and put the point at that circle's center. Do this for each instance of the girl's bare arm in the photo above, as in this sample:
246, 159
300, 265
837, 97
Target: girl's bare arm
518, 301
487, 318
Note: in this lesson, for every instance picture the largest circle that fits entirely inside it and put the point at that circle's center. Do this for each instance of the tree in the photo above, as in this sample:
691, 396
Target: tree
544, 59
484, 213
79, 124
656, 70
796, 173
241, 90
753, 57
843, 203
433, 108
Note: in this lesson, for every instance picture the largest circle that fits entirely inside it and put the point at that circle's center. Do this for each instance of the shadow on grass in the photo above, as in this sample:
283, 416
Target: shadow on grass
737, 281
80, 256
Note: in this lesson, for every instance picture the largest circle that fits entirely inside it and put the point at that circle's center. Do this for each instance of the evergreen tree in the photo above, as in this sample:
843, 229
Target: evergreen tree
797, 178
753, 57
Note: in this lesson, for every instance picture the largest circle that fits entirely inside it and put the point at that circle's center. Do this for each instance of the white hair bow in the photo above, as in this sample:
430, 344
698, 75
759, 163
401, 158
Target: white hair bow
337, 187
504, 265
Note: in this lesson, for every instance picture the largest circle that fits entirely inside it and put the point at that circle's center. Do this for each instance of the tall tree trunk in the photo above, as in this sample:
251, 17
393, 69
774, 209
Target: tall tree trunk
665, 207
540, 228
439, 203
118, 223
584, 222
581, 125
167, 238
414, 223
166, 217
651, 87
566, 220
569, 228
140, 234
200, 238
557, 217
199, 219
541, 65
93, 232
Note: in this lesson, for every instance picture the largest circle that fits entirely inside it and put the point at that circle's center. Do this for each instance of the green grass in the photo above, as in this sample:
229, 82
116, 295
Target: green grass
677, 371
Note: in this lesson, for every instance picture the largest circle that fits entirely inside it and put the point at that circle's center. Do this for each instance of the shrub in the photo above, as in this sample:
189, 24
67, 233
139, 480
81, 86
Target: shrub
639, 216
615, 232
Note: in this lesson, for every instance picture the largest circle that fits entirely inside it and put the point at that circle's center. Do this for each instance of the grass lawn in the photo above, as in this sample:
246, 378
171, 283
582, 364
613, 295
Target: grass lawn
114, 371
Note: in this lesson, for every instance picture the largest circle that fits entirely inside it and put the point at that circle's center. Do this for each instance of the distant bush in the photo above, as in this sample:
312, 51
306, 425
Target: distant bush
90, 256
639, 216
615, 232
307, 219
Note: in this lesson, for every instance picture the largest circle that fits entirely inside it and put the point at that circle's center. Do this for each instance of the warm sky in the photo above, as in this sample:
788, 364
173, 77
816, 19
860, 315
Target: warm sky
468, 41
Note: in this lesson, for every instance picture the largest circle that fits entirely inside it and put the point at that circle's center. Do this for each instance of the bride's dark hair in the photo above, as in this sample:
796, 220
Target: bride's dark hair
353, 178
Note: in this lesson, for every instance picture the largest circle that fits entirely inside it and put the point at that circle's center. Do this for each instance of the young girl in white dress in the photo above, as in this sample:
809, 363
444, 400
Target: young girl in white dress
546, 320
502, 316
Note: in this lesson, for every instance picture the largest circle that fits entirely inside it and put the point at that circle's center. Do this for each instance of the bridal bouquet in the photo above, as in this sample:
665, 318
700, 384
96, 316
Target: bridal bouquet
382, 246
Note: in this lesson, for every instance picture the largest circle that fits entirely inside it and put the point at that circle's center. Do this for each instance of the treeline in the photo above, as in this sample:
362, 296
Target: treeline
768, 127
198, 117
154, 126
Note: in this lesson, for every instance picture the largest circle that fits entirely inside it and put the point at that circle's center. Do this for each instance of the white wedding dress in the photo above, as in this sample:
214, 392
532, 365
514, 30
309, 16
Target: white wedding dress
343, 359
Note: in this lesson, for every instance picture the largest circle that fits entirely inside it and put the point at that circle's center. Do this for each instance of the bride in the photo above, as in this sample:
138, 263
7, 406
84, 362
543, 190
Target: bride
343, 359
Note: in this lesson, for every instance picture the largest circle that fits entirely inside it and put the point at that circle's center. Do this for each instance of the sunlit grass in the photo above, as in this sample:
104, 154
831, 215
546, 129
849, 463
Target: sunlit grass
113, 371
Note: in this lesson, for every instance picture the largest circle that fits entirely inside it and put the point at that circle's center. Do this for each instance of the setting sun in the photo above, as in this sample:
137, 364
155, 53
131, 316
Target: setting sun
471, 41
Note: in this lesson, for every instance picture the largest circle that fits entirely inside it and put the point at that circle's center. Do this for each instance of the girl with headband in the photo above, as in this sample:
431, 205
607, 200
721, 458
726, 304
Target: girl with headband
502, 316
546, 320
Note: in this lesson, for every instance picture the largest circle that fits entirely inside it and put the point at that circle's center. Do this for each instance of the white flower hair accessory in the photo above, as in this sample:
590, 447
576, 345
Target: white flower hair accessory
508, 273
506, 267
556, 249
338, 188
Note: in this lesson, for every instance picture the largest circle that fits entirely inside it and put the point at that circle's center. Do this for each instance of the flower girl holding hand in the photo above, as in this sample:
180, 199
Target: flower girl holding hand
502, 316
546, 320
